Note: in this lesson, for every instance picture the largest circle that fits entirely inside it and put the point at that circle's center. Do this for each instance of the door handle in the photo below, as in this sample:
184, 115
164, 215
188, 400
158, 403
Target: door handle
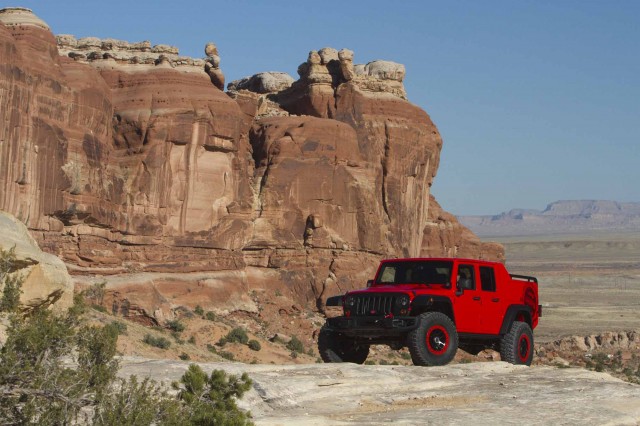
495, 299
476, 298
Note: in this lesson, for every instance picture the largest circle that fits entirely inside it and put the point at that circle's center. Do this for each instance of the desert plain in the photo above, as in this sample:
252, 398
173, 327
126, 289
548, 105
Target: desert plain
588, 282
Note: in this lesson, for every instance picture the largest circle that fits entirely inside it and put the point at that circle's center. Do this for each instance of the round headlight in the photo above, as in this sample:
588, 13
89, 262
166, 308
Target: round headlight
403, 301
350, 301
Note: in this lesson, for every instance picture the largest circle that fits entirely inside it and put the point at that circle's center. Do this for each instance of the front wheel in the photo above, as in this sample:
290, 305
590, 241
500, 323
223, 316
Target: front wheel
516, 346
434, 341
334, 347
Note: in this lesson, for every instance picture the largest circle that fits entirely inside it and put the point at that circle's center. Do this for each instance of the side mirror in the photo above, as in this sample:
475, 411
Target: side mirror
369, 283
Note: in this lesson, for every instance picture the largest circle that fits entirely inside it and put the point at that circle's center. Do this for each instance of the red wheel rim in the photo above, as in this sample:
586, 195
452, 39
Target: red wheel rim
524, 347
437, 340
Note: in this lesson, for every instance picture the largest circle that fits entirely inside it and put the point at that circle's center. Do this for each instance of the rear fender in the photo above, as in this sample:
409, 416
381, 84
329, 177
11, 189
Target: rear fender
515, 313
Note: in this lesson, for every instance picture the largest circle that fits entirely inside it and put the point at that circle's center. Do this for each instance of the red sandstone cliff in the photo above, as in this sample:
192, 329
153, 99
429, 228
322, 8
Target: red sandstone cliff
128, 159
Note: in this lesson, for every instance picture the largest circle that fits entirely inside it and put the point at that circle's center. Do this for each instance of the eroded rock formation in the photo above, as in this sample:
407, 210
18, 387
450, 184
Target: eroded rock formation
127, 158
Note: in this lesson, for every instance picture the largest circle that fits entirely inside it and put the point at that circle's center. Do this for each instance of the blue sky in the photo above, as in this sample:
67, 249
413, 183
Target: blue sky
536, 101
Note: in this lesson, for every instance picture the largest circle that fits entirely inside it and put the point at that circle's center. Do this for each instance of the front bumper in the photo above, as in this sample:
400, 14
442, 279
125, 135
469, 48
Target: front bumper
372, 326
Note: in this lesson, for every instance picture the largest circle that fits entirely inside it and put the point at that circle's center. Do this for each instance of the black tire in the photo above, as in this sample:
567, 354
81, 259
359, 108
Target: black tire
516, 347
334, 347
434, 341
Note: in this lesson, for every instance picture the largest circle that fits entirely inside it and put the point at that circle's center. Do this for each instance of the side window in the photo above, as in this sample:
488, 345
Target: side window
466, 277
487, 278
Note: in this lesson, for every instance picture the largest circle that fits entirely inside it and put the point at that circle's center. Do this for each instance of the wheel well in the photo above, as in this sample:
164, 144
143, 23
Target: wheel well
523, 316
516, 313
442, 307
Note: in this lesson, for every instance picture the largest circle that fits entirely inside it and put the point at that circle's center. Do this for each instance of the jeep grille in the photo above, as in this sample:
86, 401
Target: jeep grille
374, 304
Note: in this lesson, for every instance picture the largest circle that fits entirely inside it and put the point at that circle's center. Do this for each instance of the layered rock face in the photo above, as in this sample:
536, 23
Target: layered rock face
129, 159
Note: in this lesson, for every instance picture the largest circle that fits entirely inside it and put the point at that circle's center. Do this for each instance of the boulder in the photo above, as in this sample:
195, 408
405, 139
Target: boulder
46, 280
264, 82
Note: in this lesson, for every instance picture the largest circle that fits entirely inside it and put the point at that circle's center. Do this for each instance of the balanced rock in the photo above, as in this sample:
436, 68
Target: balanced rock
264, 82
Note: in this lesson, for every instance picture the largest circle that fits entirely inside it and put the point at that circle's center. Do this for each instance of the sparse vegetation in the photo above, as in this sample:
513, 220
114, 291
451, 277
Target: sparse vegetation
295, 345
198, 310
99, 308
227, 355
11, 284
120, 327
158, 342
95, 295
254, 345
184, 356
175, 325
237, 335
38, 384
210, 316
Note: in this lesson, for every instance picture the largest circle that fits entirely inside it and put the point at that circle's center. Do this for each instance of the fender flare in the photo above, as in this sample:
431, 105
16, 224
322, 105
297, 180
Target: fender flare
511, 315
427, 301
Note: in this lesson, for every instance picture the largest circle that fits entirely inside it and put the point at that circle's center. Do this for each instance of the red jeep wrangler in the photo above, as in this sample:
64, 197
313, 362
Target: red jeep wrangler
434, 306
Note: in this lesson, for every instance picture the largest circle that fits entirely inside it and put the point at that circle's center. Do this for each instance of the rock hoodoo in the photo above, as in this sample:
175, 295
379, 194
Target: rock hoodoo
128, 158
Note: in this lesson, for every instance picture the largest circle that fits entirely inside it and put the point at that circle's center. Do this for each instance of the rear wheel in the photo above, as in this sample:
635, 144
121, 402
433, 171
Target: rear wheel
434, 341
334, 347
516, 346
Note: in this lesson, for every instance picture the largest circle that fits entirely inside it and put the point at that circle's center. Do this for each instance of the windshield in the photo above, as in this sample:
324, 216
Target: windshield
415, 272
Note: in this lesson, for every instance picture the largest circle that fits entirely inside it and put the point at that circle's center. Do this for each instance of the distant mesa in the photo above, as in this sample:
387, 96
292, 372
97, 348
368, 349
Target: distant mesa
570, 217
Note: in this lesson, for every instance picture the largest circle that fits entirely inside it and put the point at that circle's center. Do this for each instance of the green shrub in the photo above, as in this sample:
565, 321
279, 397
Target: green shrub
158, 342
210, 400
210, 316
11, 284
99, 308
176, 336
120, 327
237, 335
198, 310
184, 356
38, 384
175, 325
295, 345
95, 293
192, 340
254, 345
227, 355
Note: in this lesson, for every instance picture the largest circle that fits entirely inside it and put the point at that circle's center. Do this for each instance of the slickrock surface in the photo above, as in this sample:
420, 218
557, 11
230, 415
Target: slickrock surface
478, 393
128, 158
